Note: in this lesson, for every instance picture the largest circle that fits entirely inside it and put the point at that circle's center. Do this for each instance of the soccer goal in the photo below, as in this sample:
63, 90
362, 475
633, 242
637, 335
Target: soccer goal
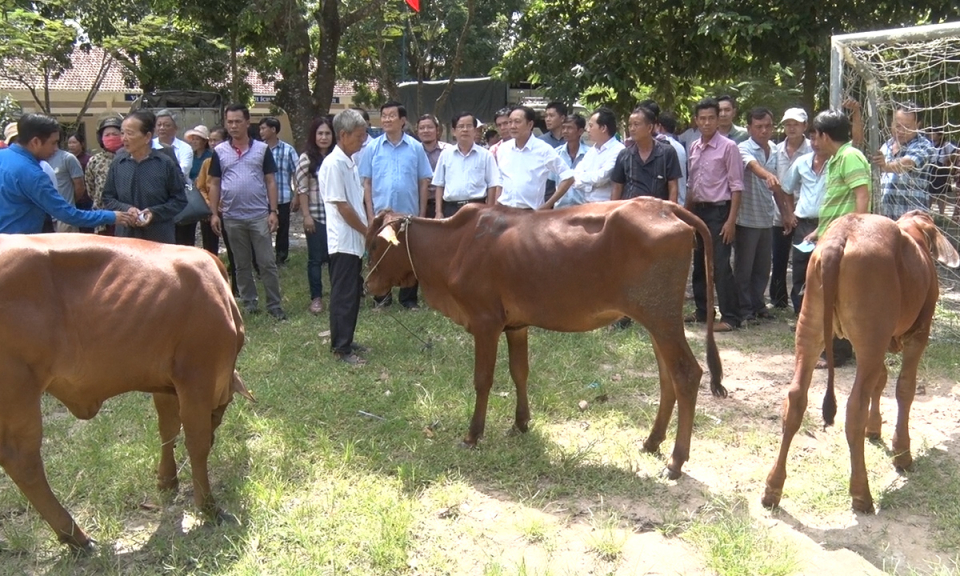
920, 66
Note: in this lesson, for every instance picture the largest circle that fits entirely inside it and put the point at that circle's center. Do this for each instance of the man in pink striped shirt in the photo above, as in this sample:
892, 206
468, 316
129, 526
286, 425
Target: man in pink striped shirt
714, 184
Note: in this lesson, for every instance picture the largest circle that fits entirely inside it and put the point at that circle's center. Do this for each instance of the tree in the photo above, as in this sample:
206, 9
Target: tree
38, 50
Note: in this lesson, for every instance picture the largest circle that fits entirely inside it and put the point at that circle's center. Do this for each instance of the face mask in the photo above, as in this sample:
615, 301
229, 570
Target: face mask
112, 142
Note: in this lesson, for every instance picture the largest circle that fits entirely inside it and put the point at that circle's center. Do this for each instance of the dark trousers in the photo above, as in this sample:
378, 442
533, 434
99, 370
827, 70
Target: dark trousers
408, 297
316, 256
432, 205
451, 208
211, 242
800, 261
782, 246
283, 233
231, 267
346, 288
715, 216
751, 269
186, 234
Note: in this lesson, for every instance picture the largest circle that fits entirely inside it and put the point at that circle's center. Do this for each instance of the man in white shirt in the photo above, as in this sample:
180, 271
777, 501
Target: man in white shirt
465, 173
592, 174
346, 226
525, 165
166, 127
793, 146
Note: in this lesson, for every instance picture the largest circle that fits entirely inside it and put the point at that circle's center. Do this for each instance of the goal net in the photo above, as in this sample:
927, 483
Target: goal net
918, 68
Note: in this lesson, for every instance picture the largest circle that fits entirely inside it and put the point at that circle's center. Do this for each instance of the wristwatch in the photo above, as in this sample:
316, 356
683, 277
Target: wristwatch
272, 211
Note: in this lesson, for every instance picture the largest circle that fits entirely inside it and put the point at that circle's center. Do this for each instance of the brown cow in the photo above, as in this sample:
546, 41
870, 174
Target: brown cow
86, 318
880, 286
499, 269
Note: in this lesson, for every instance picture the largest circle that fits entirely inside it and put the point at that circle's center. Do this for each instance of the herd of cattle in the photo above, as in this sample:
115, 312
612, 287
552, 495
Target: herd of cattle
165, 317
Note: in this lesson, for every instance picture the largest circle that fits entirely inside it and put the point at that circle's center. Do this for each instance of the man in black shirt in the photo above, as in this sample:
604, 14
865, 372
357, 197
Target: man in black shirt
647, 167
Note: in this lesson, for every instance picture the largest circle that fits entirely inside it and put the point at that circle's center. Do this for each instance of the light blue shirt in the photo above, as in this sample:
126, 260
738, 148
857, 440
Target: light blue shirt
395, 171
756, 202
682, 158
801, 179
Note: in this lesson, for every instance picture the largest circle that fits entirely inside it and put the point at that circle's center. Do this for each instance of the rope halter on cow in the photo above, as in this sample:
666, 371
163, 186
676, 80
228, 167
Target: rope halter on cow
390, 235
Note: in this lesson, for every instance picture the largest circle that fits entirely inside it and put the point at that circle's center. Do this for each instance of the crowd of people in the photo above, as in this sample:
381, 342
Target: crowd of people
764, 201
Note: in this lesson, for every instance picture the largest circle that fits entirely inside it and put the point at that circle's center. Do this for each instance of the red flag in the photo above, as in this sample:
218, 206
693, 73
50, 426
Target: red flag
415, 4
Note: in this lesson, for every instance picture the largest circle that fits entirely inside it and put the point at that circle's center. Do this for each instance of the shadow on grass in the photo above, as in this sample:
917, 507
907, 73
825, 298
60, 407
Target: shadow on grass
927, 497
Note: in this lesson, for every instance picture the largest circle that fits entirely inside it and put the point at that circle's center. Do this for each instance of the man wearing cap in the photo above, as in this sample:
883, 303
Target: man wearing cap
27, 195
167, 136
786, 153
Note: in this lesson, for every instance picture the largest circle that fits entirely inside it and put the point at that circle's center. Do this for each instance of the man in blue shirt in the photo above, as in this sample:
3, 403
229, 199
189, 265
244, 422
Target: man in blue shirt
26, 192
395, 172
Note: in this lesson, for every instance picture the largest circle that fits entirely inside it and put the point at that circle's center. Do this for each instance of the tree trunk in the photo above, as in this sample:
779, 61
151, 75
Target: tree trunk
105, 64
457, 60
293, 90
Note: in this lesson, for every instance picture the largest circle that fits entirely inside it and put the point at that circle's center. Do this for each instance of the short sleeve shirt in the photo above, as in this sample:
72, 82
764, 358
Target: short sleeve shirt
340, 182
846, 170
395, 171
756, 202
646, 178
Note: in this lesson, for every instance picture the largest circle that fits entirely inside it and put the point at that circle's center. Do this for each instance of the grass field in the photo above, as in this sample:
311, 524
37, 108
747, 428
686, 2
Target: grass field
341, 470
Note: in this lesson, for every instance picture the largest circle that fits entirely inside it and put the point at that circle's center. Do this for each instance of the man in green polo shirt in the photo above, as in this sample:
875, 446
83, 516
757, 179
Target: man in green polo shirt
847, 191
848, 172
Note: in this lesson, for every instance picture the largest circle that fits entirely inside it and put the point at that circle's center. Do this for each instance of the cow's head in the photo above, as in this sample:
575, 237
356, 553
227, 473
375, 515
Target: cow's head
389, 263
921, 227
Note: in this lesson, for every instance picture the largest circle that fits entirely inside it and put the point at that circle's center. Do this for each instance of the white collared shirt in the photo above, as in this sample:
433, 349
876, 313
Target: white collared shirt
524, 172
339, 181
184, 153
592, 174
465, 176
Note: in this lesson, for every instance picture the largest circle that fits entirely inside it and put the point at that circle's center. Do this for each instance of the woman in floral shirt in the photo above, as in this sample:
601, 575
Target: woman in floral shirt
95, 175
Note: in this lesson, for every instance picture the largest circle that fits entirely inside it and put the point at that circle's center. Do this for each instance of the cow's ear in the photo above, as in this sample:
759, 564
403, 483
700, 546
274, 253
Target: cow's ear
389, 234
944, 251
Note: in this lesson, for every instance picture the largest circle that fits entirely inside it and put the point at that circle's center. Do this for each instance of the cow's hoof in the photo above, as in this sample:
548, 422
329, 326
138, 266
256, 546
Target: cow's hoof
168, 485
873, 436
88, 548
224, 517
770, 498
466, 445
670, 474
521, 427
651, 447
864, 505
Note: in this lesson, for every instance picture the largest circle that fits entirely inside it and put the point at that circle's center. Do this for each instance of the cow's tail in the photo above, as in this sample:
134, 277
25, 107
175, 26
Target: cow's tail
830, 257
713, 355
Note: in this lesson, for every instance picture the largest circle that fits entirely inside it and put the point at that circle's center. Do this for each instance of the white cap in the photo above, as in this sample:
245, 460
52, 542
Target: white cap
798, 114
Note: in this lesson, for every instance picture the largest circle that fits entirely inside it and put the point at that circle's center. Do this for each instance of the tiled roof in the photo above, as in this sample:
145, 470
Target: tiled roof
87, 64
80, 77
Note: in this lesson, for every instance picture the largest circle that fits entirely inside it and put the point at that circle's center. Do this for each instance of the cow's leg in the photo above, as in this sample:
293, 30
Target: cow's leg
21, 433
870, 371
906, 389
874, 419
484, 362
668, 397
679, 381
809, 345
195, 413
168, 419
519, 371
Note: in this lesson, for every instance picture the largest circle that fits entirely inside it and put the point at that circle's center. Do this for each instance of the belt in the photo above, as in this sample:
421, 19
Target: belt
810, 220
723, 204
465, 202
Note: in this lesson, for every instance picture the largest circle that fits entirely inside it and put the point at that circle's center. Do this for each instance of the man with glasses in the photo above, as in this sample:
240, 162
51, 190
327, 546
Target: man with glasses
466, 173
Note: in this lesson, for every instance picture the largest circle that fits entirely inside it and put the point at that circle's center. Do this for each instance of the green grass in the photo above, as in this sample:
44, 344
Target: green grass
322, 489
735, 544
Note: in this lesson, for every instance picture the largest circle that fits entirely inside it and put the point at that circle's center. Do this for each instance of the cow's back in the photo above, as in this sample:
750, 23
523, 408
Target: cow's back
883, 273
93, 315
599, 253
